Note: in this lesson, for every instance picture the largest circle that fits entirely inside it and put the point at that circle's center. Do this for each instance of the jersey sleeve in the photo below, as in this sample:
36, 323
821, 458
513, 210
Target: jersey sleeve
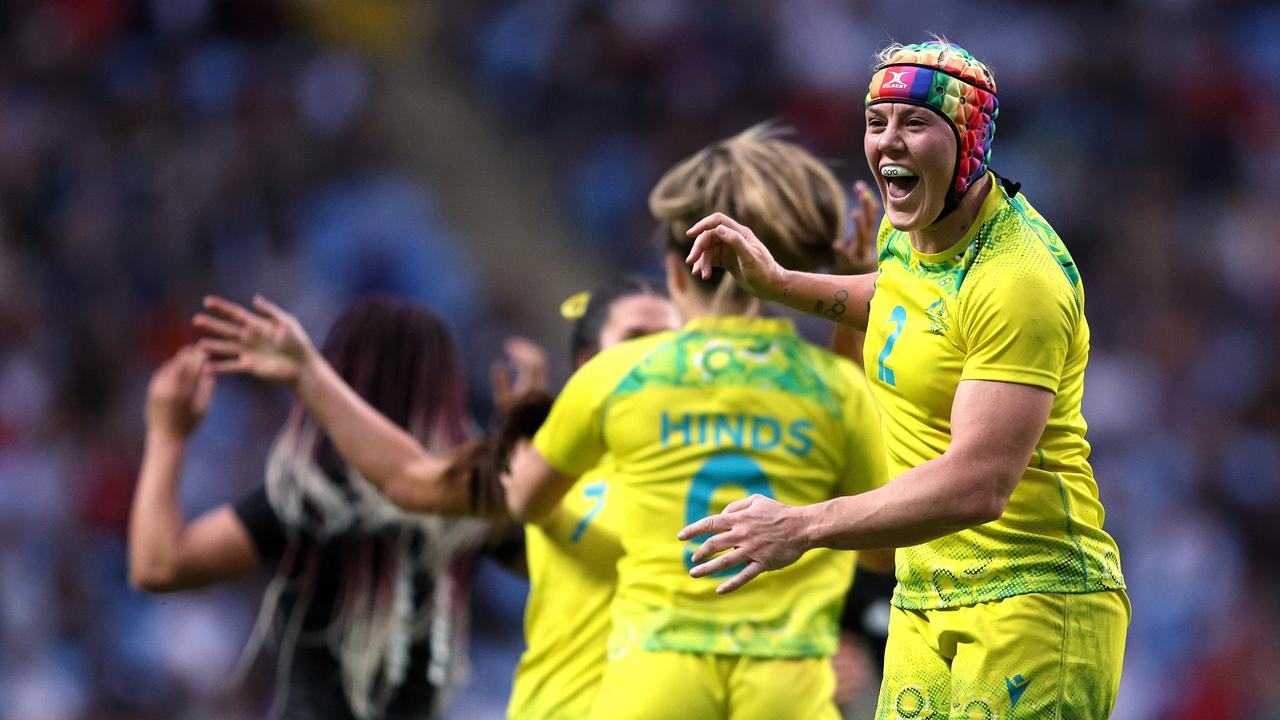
571, 439
1017, 324
261, 522
865, 466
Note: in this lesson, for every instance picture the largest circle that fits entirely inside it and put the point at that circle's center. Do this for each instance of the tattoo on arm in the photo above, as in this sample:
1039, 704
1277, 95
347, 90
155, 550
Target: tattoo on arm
837, 307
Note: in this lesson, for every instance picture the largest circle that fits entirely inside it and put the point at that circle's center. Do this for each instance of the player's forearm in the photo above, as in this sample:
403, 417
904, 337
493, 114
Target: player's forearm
377, 448
840, 298
155, 519
937, 498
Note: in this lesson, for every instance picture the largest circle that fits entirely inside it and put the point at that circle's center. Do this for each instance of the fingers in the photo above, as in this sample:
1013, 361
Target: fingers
530, 361
702, 247
737, 505
720, 564
712, 221
270, 309
228, 309
709, 524
500, 380
870, 208
187, 363
216, 326
715, 545
231, 366
221, 349
204, 387
749, 573
713, 242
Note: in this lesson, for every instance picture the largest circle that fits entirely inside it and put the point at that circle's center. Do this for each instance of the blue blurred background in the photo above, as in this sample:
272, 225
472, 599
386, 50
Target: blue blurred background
490, 158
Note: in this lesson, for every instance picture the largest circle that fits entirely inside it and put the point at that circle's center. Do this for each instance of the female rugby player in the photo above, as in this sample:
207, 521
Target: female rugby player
359, 583
730, 404
573, 552
1009, 591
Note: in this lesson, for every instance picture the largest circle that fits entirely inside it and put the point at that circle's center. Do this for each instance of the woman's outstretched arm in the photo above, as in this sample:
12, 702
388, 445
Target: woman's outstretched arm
165, 554
270, 344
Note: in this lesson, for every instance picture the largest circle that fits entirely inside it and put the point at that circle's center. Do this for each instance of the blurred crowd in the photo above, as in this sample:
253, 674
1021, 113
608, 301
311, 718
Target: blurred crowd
151, 152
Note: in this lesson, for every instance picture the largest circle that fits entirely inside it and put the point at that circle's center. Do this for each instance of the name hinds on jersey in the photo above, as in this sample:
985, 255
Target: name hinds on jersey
756, 432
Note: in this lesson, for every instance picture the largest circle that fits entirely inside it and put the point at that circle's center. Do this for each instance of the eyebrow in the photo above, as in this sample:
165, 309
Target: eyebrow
912, 110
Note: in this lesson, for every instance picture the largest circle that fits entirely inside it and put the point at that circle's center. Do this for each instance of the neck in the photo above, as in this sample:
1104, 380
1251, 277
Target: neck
696, 305
947, 232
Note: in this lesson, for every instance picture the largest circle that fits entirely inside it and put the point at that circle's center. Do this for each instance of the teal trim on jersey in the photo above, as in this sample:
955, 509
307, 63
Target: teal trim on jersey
1071, 532
1040, 452
948, 274
1049, 237
731, 358
951, 276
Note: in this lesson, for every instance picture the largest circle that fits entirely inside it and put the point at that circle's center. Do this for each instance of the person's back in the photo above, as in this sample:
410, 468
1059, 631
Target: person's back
729, 407
695, 419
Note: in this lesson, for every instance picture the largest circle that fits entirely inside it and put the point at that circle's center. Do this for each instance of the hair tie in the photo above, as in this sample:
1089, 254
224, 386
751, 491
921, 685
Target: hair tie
575, 306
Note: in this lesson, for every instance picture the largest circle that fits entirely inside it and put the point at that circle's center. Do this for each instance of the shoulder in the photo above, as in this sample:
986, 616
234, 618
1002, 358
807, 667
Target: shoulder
602, 374
625, 355
1019, 258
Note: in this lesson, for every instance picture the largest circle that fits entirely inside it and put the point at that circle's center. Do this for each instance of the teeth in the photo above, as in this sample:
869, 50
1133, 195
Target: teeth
896, 171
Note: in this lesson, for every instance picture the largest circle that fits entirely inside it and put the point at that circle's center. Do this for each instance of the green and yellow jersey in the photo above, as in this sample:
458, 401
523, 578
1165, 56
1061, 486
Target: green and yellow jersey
1004, 303
693, 420
572, 557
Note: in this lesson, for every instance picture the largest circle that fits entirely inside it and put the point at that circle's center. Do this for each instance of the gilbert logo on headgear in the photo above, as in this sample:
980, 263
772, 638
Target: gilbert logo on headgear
896, 80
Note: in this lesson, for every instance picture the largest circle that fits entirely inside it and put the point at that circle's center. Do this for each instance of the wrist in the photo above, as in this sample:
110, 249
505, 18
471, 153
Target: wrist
166, 439
309, 371
779, 287
807, 520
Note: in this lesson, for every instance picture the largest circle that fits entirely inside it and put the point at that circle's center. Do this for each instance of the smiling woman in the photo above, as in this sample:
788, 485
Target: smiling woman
911, 148
975, 352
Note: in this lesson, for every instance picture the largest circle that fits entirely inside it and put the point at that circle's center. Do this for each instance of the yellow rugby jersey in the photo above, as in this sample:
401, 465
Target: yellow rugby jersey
572, 557
1004, 303
695, 419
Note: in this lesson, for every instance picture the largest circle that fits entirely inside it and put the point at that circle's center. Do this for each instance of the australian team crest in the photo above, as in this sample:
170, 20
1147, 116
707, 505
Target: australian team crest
939, 319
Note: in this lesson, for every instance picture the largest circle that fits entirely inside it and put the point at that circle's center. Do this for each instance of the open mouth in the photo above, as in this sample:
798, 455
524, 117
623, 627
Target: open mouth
900, 179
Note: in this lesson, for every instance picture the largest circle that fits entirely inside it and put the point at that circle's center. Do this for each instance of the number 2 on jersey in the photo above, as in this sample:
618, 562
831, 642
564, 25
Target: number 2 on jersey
596, 491
898, 317
722, 470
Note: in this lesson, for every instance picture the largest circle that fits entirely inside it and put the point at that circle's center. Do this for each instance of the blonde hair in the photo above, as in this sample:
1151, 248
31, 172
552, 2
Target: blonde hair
789, 198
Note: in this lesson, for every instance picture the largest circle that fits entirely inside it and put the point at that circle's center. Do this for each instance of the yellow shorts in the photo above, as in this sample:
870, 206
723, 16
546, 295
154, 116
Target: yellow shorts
642, 685
1041, 655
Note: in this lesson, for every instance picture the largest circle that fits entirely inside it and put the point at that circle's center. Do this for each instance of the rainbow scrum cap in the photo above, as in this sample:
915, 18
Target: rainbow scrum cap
948, 80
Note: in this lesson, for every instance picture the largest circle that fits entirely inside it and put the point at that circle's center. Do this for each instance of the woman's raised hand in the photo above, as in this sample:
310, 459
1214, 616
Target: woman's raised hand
179, 394
857, 253
721, 241
524, 370
267, 343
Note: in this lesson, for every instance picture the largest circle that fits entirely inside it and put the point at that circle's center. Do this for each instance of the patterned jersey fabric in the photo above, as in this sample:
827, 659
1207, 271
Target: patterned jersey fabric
695, 419
1004, 303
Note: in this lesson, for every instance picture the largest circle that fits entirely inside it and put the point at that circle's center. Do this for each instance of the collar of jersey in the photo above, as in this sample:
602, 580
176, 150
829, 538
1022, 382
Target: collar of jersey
990, 206
740, 323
